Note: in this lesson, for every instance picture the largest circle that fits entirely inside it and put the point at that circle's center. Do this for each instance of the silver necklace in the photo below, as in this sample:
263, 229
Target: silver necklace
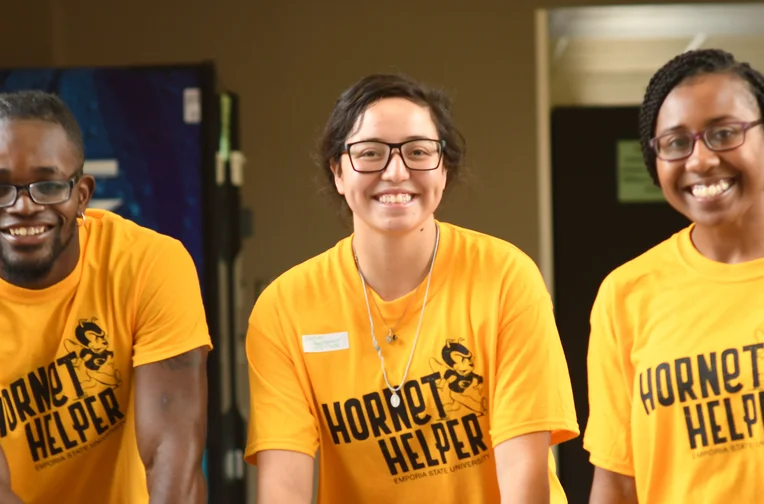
391, 336
395, 399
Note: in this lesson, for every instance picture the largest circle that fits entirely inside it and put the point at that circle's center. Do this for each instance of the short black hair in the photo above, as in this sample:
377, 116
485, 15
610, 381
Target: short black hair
43, 106
370, 89
686, 65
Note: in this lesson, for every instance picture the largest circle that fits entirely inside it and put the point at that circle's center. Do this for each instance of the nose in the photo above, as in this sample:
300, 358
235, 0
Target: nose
702, 159
396, 171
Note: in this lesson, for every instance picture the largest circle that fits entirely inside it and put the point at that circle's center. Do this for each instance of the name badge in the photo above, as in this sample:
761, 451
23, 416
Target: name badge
332, 342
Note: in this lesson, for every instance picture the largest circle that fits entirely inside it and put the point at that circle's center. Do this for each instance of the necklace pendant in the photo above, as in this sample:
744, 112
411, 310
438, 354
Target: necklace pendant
391, 336
395, 400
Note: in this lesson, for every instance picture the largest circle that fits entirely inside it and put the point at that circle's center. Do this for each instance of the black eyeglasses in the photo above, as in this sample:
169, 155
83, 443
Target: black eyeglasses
371, 156
679, 145
45, 192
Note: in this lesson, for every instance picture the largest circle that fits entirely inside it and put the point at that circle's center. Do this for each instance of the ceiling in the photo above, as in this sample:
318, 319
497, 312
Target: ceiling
607, 54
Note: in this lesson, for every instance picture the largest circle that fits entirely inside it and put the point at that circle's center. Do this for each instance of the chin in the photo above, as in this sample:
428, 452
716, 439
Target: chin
27, 271
28, 265
21, 258
705, 221
392, 224
712, 218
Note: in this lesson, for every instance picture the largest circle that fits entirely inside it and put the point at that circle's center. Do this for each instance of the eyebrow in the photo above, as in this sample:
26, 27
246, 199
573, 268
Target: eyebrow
411, 137
46, 170
710, 122
38, 170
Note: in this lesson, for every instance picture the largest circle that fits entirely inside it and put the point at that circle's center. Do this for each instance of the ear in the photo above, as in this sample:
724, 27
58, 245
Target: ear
84, 189
339, 182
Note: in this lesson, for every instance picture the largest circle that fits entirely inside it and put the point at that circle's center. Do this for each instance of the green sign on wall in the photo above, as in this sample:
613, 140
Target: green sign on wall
634, 183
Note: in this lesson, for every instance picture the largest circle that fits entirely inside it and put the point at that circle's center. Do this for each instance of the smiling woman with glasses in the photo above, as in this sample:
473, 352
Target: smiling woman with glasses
676, 351
419, 360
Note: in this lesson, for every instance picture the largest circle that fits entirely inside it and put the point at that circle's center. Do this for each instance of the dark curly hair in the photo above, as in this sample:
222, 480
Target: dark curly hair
354, 101
682, 67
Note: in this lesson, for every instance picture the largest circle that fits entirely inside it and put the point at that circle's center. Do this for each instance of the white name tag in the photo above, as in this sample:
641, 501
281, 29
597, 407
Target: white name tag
313, 343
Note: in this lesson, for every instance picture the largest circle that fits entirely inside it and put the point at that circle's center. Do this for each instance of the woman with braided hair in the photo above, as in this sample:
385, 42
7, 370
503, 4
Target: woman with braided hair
676, 352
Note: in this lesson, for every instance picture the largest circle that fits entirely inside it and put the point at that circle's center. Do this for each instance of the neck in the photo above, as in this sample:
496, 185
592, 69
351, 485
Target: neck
394, 264
733, 243
65, 264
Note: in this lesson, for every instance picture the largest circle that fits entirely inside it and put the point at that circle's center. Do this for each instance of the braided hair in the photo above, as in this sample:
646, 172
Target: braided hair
682, 67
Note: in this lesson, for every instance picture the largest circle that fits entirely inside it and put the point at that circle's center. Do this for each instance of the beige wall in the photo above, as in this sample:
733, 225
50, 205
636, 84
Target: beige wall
289, 66
26, 33
289, 62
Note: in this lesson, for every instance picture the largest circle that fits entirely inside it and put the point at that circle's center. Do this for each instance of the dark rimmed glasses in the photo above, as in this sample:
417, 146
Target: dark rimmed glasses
45, 192
679, 145
372, 156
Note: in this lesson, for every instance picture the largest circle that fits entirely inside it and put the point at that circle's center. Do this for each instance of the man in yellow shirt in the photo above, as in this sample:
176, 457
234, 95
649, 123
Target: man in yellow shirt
103, 338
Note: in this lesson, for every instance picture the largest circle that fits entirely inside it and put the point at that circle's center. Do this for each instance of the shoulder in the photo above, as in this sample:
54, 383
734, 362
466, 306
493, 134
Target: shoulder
636, 285
476, 244
125, 247
315, 278
487, 255
495, 270
657, 265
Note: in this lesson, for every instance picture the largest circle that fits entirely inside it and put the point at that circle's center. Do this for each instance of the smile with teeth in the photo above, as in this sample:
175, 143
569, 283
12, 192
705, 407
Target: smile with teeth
390, 199
27, 231
710, 190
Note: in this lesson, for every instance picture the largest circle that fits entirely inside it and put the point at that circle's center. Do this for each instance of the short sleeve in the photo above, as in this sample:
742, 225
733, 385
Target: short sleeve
170, 317
280, 415
533, 392
608, 431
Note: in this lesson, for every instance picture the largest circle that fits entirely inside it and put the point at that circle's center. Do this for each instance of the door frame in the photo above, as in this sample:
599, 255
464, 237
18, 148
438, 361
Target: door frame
545, 259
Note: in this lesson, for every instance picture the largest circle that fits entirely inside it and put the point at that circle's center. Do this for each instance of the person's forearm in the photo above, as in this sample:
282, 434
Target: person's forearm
612, 488
522, 466
171, 480
8, 497
531, 491
284, 477
273, 493
607, 498
600, 495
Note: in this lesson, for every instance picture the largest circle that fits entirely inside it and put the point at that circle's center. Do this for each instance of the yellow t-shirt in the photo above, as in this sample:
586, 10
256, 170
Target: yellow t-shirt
488, 366
68, 352
676, 375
